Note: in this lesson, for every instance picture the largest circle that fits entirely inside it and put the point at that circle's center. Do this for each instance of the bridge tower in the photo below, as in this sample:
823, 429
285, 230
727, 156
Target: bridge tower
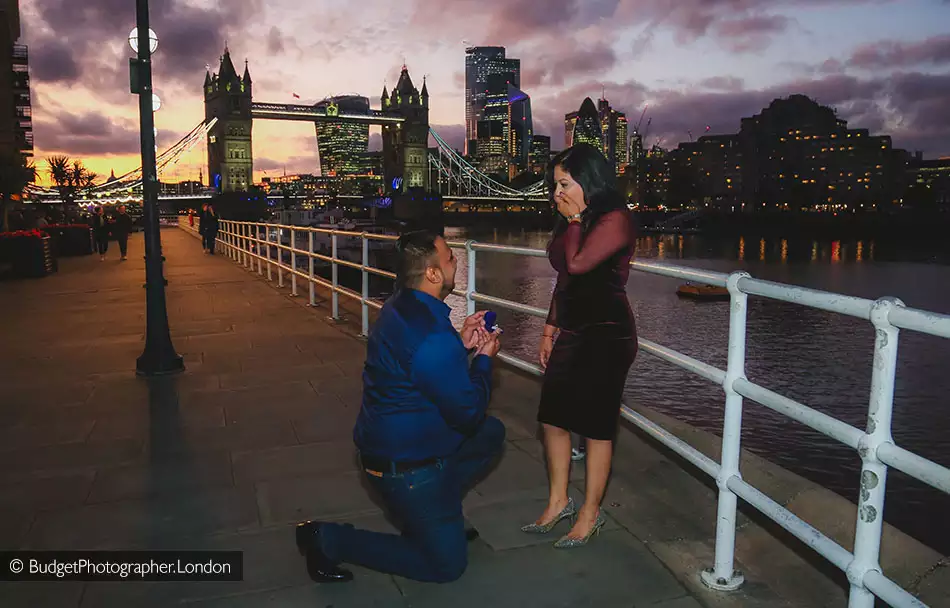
406, 145
228, 98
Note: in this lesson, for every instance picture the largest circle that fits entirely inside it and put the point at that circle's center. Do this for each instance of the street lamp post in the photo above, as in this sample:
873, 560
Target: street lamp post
159, 356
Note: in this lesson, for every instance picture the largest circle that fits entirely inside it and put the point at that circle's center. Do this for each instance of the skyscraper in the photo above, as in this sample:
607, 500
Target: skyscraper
492, 138
583, 126
613, 126
16, 122
540, 153
342, 144
480, 63
520, 128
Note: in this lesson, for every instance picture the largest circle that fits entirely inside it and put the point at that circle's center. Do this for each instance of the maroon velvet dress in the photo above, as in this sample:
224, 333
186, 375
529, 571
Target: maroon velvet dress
585, 376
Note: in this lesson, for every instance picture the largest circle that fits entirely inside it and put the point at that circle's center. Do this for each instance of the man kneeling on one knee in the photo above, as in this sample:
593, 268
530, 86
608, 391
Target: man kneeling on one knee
422, 433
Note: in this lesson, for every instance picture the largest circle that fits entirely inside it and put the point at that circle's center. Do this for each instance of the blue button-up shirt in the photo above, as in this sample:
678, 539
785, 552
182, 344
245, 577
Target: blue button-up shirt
421, 397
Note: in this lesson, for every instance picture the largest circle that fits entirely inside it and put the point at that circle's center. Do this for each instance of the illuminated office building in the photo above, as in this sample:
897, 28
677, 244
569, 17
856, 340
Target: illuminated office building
482, 62
613, 127
520, 129
583, 126
342, 145
540, 153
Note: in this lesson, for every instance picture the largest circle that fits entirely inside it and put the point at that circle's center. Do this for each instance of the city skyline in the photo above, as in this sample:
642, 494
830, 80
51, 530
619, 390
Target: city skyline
884, 67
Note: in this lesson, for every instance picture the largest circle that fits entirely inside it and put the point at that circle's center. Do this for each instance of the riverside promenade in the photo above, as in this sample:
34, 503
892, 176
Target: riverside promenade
256, 435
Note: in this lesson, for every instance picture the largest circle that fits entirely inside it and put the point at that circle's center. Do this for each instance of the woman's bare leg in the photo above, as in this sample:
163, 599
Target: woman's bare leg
557, 449
599, 454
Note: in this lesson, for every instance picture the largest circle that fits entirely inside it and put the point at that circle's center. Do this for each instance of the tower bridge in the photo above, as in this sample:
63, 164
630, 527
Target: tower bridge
408, 161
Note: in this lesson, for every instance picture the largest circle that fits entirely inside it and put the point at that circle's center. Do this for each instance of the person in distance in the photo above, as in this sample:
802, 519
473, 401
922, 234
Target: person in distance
589, 340
422, 433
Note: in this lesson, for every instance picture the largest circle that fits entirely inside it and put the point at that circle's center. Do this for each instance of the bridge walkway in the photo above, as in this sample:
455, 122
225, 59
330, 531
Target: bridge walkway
255, 436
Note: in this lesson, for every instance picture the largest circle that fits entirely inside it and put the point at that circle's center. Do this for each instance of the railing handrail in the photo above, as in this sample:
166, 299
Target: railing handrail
876, 447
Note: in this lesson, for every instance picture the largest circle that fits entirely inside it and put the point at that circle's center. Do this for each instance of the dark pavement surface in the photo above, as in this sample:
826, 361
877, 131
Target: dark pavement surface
253, 437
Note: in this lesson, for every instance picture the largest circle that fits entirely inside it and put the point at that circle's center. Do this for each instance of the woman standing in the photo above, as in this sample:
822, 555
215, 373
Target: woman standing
209, 226
590, 338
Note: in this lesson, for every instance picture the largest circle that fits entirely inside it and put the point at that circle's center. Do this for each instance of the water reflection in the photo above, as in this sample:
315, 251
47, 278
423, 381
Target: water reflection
818, 358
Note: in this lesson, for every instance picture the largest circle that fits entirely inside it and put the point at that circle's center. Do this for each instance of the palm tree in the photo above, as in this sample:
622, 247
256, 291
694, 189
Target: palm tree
69, 177
16, 172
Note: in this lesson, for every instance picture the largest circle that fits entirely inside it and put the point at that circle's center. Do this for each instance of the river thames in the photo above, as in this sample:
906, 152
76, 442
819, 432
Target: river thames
819, 358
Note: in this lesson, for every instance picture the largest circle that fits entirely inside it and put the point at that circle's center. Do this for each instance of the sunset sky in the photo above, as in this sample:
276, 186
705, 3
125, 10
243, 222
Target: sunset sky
885, 65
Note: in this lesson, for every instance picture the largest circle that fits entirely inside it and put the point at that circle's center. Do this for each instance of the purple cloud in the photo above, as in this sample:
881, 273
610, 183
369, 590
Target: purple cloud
895, 54
88, 133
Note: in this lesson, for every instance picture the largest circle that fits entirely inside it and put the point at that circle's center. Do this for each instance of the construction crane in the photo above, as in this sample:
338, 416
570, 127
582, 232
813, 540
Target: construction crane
690, 133
636, 129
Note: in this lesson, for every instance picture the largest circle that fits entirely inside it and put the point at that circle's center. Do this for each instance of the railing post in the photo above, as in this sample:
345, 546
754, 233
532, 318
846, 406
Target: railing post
258, 249
246, 241
230, 242
293, 261
365, 306
870, 518
280, 258
470, 287
334, 271
723, 576
267, 247
313, 291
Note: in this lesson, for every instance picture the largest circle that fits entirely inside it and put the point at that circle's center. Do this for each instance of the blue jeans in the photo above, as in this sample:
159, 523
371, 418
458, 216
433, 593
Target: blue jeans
427, 503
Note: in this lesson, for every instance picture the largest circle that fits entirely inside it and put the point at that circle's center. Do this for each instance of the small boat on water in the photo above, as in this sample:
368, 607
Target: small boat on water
702, 292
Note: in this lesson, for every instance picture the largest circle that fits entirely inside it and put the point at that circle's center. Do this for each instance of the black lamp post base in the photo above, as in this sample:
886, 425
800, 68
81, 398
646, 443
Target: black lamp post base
158, 364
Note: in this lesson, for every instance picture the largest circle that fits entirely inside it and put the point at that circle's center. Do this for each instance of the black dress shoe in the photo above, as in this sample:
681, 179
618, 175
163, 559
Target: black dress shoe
471, 534
319, 566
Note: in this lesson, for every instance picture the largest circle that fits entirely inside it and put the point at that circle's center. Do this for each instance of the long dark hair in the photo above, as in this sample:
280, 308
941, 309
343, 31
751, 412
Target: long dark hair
596, 177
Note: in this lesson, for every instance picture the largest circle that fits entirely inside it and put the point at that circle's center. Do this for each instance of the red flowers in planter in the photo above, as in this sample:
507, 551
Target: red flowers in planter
18, 234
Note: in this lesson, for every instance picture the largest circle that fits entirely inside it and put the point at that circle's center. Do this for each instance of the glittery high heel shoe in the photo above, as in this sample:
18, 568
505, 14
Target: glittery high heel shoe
566, 542
568, 511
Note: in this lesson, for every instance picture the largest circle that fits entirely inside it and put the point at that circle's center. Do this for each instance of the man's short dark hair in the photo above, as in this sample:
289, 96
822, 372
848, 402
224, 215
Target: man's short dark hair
414, 254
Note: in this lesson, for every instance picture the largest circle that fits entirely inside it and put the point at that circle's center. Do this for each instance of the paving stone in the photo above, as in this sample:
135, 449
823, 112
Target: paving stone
49, 432
44, 491
332, 421
542, 576
142, 423
680, 602
294, 461
370, 590
230, 437
326, 496
61, 594
516, 471
71, 456
14, 525
271, 562
143, 522
173, 475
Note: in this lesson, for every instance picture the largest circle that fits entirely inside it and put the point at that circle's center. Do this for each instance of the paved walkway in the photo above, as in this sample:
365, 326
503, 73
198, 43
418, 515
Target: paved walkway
253, 437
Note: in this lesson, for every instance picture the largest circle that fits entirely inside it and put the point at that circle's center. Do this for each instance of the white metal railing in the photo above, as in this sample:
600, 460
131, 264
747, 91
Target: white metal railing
875, 446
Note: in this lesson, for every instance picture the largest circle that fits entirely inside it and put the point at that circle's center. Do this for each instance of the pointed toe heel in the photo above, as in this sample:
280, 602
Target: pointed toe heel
568, 512
566, 542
